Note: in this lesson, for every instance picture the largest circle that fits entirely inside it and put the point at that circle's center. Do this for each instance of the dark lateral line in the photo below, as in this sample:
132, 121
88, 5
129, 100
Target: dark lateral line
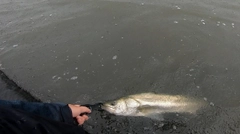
14, 87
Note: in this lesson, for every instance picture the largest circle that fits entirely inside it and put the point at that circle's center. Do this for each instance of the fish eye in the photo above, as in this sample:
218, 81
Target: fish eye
113, 103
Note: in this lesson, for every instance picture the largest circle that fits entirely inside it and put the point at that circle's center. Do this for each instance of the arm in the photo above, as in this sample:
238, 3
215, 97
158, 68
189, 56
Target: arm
53, 111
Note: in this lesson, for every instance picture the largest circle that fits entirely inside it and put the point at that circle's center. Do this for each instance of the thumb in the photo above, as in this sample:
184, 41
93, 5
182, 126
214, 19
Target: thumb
84, 109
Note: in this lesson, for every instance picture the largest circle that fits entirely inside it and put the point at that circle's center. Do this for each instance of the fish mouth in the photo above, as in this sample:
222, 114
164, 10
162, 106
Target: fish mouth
107, 107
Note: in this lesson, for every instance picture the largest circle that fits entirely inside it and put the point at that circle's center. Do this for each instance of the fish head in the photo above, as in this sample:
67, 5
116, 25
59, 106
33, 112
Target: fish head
124, 106
117, 107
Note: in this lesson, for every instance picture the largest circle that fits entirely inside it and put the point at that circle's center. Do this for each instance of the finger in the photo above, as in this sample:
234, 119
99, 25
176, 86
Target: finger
85, 117
85, 109
77, 105
80, 120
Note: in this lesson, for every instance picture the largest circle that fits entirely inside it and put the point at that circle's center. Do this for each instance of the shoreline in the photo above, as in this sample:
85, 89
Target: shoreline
14, 91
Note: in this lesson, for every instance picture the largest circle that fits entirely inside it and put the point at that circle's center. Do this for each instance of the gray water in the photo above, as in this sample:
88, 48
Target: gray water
89, 51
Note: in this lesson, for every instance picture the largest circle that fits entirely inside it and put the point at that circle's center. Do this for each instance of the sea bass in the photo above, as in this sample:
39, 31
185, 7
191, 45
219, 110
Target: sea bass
147, 104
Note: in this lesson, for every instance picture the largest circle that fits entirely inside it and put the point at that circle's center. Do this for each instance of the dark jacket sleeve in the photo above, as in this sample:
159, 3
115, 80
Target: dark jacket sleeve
52, 111
15, 121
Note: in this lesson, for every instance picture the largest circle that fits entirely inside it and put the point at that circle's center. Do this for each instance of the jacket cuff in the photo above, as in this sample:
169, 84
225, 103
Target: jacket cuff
66, 113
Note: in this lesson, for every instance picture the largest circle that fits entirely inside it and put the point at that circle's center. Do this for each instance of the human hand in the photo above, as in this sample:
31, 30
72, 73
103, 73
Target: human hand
77, 110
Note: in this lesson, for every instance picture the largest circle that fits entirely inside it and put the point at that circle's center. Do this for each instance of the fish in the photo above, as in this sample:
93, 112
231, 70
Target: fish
151, 104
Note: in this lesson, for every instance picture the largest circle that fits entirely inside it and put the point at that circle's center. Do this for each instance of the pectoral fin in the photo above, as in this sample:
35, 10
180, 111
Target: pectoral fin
149, 111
